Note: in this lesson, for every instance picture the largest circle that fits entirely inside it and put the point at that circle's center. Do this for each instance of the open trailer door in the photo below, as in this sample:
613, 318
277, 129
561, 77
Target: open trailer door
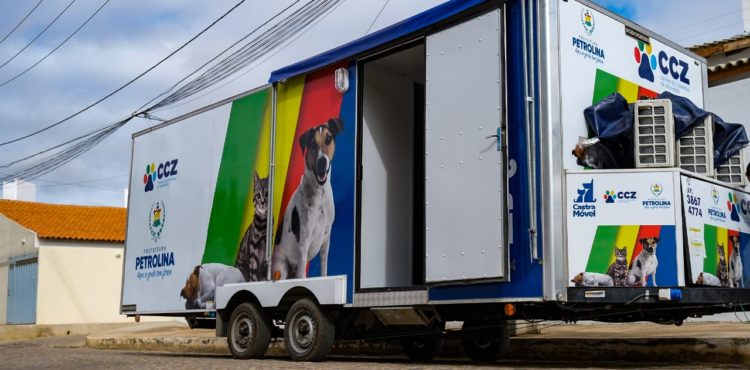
464, 162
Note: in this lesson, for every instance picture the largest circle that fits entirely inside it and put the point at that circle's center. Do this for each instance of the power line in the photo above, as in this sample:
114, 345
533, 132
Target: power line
85, 181
128, 83
55, 184
280, 49
55, 160
252, 51
59, 155
39, 35
22, 20
220, 54
57, 146
237, 59
377, 16
704, 32
58, 46
703, 21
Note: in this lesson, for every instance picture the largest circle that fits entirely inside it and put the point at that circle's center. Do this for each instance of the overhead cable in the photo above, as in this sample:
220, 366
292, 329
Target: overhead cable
257, 64
51, 162
45, 161
126, 84
38, 35
252, 51
21, 22
377, 16
58, 46
220, 54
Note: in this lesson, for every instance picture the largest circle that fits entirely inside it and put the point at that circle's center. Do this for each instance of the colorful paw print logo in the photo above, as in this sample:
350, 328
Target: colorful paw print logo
646, 60
656, 189
610, 196
732, 207
149, 178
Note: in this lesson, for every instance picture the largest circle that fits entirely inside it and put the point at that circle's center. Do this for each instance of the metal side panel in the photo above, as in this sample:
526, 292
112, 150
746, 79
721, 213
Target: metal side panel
552, 180
327, 290
393, 298
464, 183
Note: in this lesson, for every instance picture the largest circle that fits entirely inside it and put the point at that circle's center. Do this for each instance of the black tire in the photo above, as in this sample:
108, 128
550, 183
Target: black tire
421, 348
308, 332
485, 345
249, 331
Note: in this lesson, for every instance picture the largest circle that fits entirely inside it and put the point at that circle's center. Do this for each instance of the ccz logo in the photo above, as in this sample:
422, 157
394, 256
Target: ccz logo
156, 218
160, 174
668, 65
610, 196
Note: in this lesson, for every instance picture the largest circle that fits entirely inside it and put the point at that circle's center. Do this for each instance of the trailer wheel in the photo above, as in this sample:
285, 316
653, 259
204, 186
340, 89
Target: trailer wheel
249, 331
485, 345
308, 332
421, 348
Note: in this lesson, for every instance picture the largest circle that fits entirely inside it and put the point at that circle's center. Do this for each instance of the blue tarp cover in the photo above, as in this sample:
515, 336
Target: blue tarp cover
729, 138
388, 34
611, 120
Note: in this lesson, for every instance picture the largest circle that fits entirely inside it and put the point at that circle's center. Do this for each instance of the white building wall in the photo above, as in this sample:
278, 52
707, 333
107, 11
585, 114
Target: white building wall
19, 190
729, 101
15, 241
79, 282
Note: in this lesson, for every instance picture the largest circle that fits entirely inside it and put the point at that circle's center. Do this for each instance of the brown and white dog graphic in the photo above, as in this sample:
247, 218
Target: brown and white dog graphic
592, 279
200, 286
305, 230
645, 263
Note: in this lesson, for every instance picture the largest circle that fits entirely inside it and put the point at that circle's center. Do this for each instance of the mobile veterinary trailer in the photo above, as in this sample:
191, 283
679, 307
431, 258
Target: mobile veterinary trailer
422, 174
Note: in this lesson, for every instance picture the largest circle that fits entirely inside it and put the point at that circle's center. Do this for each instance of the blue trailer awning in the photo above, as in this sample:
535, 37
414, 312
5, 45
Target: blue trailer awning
393, 32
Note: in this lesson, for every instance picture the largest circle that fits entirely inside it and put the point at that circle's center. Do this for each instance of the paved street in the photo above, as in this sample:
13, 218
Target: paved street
70, 353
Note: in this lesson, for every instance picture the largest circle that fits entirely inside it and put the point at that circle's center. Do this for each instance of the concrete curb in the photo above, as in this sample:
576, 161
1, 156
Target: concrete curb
18, 332
680, 350
187, 345
218, 346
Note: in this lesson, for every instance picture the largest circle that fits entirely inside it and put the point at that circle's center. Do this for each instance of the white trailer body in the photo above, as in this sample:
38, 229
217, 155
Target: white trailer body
423, 174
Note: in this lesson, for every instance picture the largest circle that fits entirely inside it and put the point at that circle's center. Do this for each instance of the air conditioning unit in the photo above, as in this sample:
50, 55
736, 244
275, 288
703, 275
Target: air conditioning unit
654, 134
695, 150
733, 170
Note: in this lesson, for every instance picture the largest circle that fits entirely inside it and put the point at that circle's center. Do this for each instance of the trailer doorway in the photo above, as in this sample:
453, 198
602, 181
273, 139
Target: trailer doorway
391, 169
431, 178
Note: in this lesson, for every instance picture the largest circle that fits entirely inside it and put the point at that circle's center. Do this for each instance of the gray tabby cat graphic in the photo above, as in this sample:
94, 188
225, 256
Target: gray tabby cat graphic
618, 270
721, 266
251, 257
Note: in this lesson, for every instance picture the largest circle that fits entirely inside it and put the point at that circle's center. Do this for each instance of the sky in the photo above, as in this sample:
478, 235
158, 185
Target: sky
129, 36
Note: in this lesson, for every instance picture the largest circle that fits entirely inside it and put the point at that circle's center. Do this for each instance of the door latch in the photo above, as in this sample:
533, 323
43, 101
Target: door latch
497, 137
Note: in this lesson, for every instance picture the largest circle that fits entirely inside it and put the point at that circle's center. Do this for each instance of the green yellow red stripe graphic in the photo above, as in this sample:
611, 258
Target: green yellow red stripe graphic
238, 161
606, 83
610, 236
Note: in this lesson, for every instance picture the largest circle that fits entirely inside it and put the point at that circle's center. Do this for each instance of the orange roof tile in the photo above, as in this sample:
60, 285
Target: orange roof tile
60, 221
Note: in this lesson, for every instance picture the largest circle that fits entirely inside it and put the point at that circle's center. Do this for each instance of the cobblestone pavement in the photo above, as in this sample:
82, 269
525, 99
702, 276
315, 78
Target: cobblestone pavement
70, 353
